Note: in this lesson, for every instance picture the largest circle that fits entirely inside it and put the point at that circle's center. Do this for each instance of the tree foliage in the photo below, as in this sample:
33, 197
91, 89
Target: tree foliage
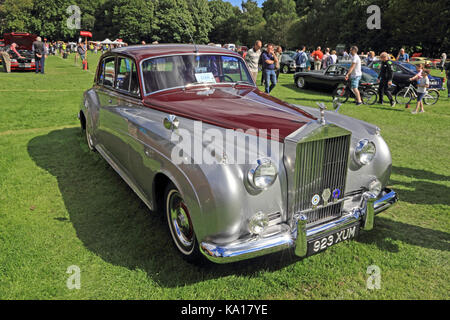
417, 25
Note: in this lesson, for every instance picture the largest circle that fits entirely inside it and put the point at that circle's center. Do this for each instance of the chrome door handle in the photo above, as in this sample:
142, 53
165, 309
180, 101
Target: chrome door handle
171, 122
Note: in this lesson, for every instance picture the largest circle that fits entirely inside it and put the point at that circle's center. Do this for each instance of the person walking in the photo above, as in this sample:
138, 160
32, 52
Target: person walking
39, 55
422, 85
317, 56
355, 74
252, 59
269, 62
402, 56
81, 51
301, 58
386, 76
278, 53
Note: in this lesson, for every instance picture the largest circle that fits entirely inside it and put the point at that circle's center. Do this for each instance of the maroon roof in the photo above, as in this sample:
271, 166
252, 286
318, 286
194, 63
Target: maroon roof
140, 52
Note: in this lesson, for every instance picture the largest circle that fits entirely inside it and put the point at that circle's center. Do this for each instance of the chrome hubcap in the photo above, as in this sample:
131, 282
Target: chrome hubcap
180, 222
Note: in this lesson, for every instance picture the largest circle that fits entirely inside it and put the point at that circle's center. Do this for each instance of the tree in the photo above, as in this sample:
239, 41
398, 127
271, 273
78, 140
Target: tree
201, 16
251, 23
174, 21
280, 15
225, 19
130, 20
15, 15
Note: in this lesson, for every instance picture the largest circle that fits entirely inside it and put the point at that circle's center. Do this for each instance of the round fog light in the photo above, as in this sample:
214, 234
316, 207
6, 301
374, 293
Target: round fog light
258, 223
375, 187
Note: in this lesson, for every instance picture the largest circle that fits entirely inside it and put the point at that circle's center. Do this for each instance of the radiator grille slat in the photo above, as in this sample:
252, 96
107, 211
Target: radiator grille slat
320, 165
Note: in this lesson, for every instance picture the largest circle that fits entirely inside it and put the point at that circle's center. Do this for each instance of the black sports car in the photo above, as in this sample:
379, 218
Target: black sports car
403, 71
287, 63
331, 78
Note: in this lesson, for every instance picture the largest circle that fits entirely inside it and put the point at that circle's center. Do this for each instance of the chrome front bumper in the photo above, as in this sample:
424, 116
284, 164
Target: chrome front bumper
285, 237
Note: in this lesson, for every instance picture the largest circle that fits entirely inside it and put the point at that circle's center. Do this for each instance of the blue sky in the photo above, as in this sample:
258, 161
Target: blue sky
238, 2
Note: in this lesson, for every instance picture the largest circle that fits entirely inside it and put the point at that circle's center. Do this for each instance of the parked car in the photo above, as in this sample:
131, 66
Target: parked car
24, 43
331, 78
230, 46
403, 71
160, 115
287, 63
420, 60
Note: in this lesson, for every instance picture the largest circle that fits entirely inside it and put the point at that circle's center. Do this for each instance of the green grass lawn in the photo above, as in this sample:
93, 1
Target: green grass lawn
61, 205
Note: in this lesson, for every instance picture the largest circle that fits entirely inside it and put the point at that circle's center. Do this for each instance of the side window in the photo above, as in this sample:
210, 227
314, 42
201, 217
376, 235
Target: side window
108, 72
127, 79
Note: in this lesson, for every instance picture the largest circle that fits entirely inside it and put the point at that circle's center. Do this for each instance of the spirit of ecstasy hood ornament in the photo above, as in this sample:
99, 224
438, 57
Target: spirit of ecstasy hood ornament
323, 107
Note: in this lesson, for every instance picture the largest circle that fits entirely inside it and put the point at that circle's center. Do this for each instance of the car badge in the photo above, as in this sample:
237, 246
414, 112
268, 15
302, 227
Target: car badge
315, 200
326, 196
336, 194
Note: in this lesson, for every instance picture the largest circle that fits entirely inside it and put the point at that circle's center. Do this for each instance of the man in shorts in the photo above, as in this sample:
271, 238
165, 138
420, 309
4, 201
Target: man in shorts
354, 74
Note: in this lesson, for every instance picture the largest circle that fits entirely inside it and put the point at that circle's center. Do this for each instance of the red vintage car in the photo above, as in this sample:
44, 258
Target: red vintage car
24, 43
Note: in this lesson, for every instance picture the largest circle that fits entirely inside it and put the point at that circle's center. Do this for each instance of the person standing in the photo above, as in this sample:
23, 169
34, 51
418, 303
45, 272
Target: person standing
278, 53
39, 55
443, 60
81, 51
355, 74
317, 56
326, 59
422, 85
301, 59
334, 56
269, 62
386, 76
252, 59
402, 56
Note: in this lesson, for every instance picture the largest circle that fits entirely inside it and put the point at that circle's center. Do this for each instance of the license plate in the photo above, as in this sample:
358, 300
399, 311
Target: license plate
24, 65
320, 244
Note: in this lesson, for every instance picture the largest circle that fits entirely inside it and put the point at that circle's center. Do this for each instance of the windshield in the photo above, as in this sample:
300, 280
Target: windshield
184, 70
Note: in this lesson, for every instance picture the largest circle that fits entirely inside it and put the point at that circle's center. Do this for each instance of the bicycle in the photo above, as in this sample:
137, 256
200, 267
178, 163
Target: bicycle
405, 95
369, 95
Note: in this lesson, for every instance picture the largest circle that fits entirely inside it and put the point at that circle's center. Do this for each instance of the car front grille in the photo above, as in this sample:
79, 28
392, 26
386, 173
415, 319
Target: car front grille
321, 165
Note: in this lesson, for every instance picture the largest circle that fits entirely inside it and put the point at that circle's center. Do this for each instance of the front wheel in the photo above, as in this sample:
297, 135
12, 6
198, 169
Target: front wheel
369, 96
180, 225
404, 96
285, 69
431, 97
341, 94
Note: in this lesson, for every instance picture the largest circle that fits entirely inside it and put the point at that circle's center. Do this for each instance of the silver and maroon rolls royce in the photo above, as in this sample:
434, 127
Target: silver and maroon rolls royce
236, 172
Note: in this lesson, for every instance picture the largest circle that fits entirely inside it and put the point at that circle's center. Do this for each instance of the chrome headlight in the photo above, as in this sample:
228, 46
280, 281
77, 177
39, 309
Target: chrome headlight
263, 175
365, 152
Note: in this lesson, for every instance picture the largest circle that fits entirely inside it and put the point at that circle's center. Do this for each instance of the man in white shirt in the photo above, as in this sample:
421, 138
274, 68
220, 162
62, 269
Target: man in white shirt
354, 73
252, 59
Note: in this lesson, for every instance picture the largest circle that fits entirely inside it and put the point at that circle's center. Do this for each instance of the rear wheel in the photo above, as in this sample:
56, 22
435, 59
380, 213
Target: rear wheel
431, 97
404, 96
300, 82
180, 225
340, 94
369, 96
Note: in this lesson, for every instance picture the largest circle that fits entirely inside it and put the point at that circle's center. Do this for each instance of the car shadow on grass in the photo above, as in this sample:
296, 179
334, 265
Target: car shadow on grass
324, 96
420, 190
387, 231
114, 224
